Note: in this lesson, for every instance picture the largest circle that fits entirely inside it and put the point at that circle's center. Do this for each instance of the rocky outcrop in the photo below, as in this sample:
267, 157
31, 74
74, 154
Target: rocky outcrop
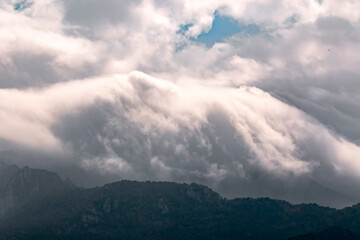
21, 185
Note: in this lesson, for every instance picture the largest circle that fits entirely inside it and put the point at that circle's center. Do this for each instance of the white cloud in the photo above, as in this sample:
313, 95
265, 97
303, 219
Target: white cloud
270, 129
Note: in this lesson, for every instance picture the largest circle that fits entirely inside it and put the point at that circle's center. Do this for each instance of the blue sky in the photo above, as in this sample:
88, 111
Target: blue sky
22, 5
224, 27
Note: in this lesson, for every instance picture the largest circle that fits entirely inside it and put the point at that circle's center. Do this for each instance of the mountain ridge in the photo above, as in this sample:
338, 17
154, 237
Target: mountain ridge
156, 210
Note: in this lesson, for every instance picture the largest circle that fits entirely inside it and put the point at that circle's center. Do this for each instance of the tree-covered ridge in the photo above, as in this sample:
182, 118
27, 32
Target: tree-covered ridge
55, 209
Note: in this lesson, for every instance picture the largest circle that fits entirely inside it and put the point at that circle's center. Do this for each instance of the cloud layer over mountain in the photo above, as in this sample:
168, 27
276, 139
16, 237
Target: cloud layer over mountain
123, 90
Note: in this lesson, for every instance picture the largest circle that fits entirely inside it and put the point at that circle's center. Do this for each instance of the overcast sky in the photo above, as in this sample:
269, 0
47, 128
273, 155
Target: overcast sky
252, 97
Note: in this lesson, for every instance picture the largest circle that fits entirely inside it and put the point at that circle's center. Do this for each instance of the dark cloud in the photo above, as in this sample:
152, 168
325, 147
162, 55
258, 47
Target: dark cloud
330, 96
29, 70
93, 13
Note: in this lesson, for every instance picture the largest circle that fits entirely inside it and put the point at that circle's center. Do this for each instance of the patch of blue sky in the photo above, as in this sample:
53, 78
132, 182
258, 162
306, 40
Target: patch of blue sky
222, 28
22, 5
184, 28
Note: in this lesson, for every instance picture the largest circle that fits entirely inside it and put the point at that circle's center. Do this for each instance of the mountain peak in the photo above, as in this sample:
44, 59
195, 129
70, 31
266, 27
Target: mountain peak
25, 184
29, 179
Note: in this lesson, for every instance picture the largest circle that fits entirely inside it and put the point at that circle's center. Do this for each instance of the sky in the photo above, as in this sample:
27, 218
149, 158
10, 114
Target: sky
252, 98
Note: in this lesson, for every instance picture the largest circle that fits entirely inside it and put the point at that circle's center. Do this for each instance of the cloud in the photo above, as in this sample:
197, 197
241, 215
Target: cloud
318, 74
27, 114
116, 90
96, 14
35, 51
140, 127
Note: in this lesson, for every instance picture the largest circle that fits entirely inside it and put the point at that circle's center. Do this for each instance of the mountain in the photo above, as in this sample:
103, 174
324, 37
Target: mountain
295, 190
46, 207
310, 191
20, 186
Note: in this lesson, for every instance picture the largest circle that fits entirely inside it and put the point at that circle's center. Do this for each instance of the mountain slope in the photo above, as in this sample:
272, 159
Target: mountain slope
6, 171
52, 209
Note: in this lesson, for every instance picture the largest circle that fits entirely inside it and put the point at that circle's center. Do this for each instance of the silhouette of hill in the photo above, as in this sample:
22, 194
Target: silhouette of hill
46, 207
